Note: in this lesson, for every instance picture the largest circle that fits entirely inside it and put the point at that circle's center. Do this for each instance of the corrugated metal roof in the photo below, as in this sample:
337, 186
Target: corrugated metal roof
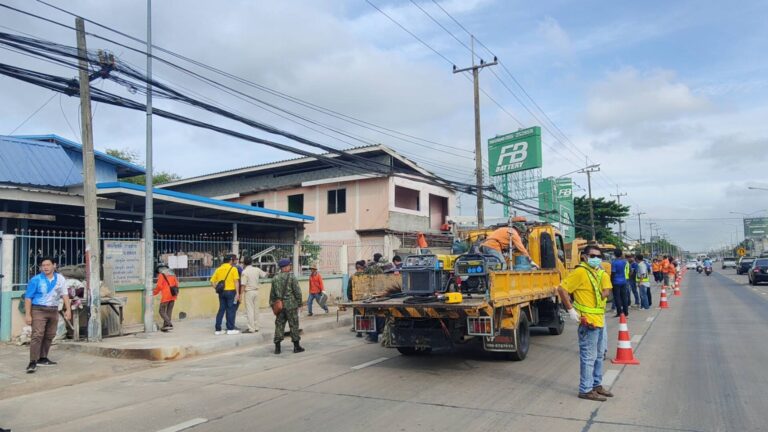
30, 162
124, 169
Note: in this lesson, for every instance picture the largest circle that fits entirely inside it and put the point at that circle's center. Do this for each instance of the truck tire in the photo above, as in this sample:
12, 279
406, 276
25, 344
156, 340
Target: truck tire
557, 329
411, 351
523, 337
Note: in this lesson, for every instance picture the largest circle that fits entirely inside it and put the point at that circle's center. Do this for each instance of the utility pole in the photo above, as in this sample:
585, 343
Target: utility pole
92, 253
640, 227
618, 196
149, 229
478, 147
650, 228
588, 170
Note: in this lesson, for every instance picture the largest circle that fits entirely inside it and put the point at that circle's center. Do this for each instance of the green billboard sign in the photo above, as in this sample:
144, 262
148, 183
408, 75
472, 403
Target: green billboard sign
756, 228
556, 200
516, 151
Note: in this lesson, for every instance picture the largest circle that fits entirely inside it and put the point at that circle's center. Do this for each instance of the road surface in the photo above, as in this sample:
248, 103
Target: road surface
701, 369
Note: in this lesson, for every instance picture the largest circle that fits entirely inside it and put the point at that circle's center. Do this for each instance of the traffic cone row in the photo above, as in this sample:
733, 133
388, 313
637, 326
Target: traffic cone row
677, 287
624, 354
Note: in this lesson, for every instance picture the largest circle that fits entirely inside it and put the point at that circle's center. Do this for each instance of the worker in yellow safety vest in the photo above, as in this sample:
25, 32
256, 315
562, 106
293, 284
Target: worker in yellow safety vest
589, 284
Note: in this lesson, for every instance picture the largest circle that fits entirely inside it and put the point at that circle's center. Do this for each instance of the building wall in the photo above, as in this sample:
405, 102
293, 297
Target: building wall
105, 172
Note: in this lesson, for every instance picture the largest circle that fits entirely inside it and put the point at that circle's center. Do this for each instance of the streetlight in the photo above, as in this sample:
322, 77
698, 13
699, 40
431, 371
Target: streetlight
749, 214
757, 188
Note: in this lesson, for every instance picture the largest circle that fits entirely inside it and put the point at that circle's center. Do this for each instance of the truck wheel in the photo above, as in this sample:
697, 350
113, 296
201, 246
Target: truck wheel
523, 336
411, 351
558, 329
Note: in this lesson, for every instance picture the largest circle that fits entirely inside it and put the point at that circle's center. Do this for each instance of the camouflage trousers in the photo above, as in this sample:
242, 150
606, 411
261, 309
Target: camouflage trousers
290, 316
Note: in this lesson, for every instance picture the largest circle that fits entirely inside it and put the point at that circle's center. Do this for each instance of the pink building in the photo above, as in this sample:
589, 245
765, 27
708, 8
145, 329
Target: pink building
367, 212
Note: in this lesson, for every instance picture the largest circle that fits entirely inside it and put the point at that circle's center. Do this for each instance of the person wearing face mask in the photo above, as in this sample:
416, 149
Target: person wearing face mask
589, 284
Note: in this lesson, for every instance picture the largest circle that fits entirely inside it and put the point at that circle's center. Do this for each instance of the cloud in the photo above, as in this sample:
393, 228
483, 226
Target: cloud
551, 31
730, 150
627, 99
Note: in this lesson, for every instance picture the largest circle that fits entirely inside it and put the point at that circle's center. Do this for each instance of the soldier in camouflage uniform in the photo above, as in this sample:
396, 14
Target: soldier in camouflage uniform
285, 287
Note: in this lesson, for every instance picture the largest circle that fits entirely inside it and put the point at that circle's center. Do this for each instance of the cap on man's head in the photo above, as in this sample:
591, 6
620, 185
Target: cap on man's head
313, 266
285, 262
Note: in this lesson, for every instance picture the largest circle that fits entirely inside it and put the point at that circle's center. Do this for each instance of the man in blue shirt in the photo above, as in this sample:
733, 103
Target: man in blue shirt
619, 276
41, 303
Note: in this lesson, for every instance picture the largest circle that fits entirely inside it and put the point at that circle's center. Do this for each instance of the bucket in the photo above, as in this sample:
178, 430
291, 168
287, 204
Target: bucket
522, 263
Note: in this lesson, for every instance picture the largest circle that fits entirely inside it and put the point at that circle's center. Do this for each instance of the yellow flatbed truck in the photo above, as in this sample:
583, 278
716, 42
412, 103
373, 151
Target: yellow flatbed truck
446, 301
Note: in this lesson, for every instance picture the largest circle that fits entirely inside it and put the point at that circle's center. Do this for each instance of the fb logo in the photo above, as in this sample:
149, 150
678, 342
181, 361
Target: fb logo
564, 193
514, 155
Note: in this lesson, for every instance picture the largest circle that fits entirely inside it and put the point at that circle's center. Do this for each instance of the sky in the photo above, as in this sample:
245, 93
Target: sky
668, 97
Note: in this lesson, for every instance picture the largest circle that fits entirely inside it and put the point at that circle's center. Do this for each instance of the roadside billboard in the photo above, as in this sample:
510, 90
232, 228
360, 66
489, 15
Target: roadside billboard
556, 197
756, 228
516, 151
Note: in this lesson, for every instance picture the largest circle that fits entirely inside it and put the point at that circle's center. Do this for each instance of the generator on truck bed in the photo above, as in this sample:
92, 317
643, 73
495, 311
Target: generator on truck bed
449, 300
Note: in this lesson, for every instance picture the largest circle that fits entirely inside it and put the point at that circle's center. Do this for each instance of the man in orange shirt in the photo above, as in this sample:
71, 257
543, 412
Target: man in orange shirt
669, 271
167, 286
316, 289
499, 240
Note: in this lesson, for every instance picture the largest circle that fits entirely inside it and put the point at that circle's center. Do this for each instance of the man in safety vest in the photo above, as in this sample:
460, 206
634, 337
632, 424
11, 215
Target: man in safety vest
589, 284
643, 281
619, 280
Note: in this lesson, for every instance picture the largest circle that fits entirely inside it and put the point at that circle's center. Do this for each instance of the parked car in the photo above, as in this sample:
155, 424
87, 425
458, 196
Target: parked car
744, 264
729, 262
758, 271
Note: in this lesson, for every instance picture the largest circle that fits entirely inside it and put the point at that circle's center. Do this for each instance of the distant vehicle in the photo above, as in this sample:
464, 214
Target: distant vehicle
708, 270
691, 264
701, 257
758, 271
729, 262
744, 264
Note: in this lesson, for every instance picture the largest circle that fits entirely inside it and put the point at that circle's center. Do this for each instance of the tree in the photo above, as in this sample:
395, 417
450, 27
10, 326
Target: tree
606, 214
131, 156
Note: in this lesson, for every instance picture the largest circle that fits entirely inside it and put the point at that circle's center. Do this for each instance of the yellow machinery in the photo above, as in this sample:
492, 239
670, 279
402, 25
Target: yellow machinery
479, 301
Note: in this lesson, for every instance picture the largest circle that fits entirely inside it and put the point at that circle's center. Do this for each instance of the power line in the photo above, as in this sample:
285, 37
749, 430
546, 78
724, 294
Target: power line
33, 114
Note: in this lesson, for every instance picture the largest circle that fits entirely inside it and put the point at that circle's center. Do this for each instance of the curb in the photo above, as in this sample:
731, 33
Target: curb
180, 351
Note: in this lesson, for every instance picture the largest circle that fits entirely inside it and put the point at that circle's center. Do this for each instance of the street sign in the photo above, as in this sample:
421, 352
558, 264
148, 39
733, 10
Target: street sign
756, 228
741, 251
556, 197
516, 151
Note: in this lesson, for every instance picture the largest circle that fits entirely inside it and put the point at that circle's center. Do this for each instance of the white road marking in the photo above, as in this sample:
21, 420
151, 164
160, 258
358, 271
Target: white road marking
636, 338
185, 425
650, 319
370, 363
609, 377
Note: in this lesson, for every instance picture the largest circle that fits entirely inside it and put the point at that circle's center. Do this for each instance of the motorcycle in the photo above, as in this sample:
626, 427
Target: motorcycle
699, 269
708, 270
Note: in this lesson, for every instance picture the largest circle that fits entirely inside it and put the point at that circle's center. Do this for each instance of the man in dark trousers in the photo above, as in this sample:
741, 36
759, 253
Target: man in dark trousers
619, 276
285, 288
41, 306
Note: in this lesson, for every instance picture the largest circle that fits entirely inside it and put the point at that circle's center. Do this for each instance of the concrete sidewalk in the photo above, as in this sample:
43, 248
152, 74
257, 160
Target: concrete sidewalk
196, 337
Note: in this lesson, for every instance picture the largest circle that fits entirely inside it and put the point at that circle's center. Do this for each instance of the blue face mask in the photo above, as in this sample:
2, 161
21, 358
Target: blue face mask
594, 262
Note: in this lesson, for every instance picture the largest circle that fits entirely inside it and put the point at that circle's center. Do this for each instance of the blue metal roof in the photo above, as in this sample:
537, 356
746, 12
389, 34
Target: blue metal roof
205, 200
38, 163
127, 169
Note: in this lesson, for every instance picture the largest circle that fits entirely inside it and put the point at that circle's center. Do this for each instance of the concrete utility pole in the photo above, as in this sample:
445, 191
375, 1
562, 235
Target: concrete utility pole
149, 226
588, 170
640, 226
92, 253
618, 196
478, 147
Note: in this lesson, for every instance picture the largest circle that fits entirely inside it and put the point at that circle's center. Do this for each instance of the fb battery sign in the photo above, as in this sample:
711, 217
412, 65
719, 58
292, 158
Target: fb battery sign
556, 201
517, 151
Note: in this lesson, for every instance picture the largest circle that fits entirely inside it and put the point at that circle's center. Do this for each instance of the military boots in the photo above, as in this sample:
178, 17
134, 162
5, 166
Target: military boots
277, 348
297, 348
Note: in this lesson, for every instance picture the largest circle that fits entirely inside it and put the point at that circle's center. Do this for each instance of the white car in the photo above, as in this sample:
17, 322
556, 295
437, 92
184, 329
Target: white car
691, 265
729, 262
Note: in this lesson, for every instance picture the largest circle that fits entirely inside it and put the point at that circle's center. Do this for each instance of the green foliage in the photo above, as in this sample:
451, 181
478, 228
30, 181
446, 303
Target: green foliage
131, 156
310, 249
606, 214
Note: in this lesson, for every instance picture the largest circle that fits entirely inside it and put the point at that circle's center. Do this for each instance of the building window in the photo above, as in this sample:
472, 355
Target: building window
296, 203
407, 198
337, 201
257, 203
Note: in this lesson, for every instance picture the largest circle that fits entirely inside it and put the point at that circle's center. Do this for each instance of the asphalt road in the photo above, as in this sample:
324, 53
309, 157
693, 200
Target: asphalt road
701, 369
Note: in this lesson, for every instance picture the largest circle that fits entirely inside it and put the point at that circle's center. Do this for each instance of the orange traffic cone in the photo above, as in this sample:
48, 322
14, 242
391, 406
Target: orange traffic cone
677, 288
624, 353
663, 302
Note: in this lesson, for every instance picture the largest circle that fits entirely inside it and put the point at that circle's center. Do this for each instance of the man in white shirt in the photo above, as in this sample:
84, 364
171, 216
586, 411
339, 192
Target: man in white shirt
249, 285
